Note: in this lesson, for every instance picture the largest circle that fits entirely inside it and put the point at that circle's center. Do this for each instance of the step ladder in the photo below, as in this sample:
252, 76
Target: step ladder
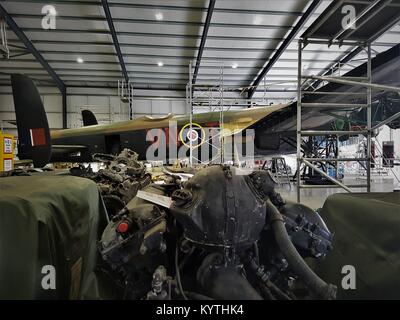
279, 171
125, 92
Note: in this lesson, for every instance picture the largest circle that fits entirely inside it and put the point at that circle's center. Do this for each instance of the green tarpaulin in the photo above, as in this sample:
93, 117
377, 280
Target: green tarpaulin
49, 221
367, 237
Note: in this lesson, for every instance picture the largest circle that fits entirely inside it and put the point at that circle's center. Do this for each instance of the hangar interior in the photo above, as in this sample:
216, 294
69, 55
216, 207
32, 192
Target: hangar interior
316, 80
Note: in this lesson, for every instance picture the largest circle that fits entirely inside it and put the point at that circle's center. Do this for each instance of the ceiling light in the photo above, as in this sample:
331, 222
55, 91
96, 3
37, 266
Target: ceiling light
79, 60
159, 16
160, 64
234, 66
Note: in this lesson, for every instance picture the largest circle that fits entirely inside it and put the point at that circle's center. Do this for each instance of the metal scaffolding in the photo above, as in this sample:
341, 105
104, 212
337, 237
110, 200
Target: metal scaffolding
211, 95
355, 81
365, 82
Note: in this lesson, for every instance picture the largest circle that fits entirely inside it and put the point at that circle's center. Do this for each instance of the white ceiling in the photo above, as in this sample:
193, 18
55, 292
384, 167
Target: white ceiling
241, 33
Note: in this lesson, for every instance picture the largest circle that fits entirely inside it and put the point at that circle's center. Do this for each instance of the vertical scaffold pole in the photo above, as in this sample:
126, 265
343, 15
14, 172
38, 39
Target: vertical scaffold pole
190, 112
298, 131
369, 117
221, 115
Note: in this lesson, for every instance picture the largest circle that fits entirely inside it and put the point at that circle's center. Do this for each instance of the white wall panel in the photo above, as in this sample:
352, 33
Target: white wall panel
6, 102
55, 120
142, 107
178, 107
52, 103
160, 106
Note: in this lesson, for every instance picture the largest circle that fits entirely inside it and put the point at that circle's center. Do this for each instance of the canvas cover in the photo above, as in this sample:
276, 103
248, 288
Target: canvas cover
49, 220
367, 236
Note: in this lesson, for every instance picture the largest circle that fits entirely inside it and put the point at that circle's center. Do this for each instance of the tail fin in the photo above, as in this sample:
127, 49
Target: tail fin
33, 129
89, 119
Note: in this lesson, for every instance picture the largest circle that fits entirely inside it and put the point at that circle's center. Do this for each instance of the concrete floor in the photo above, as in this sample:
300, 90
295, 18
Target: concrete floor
315, 198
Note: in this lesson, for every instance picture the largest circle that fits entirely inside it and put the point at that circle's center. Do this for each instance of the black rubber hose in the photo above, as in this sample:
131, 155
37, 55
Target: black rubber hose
315, 284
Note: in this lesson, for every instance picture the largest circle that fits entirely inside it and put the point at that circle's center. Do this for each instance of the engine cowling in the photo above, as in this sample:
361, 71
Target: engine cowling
218, 207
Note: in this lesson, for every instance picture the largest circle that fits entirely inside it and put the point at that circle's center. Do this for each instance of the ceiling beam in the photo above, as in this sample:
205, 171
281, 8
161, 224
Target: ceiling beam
161, 46
335, 66
31, 48
128, 5
203, 39
310, 10
351, 55
117, 47
152, 22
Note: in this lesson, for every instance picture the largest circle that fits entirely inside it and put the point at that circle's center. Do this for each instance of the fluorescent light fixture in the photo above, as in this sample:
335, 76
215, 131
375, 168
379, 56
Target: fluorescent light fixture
79, 60
160, 64
159, 16
234, 66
